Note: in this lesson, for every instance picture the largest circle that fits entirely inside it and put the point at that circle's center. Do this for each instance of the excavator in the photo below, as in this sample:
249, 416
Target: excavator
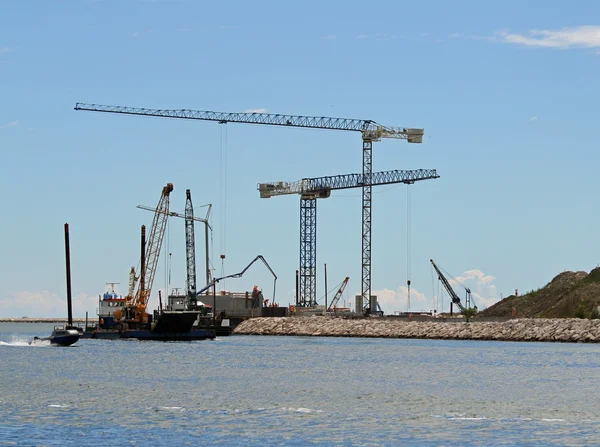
454, 297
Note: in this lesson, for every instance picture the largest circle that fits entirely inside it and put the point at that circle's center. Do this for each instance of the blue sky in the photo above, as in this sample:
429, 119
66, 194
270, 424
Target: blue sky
506, 91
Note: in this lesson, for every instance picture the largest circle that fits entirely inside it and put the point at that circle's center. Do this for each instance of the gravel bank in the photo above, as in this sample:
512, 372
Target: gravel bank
555, 330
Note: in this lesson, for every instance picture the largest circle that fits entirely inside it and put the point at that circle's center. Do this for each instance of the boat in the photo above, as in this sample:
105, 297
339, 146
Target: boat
60, 336
116, 321
69, 334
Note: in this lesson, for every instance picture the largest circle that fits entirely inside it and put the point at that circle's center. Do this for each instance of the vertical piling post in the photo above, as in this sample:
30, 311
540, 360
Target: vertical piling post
68, 262
143, 263
215, 305
325, 289
297, 278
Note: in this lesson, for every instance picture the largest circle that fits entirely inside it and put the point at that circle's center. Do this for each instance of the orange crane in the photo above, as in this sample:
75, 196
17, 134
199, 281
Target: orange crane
338, 295
136, 304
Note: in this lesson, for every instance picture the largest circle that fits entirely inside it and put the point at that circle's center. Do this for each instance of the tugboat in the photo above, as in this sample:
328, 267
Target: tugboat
69, 334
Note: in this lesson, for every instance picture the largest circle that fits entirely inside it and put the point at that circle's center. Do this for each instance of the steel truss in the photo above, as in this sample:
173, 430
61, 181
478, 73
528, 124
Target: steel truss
308, 253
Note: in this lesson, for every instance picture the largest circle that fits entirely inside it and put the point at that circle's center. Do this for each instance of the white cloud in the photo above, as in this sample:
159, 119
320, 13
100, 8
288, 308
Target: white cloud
330, 37
46, 305
455, 35
262, 110
587, 36
533, 118
397, 300
378, 36
483, 293
9, 124
482, 289
4, 50
135, 34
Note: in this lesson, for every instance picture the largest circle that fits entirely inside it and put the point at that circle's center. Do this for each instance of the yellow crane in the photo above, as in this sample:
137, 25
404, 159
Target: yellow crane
136, 304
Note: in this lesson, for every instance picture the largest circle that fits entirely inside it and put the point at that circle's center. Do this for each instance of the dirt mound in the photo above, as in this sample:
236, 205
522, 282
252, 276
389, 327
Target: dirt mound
560, 298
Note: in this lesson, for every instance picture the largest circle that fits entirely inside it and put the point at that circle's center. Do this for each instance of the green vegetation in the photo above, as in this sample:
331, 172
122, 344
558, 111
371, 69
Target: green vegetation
581, 311
469, 313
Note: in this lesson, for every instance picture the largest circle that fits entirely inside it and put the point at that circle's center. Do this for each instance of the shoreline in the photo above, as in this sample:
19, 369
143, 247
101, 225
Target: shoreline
571, 330
43, 320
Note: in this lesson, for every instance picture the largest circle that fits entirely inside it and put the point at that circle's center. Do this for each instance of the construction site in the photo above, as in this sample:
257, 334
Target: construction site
206, 300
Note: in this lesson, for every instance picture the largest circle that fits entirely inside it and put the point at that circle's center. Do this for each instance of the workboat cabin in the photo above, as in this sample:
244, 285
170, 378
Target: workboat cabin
108, 304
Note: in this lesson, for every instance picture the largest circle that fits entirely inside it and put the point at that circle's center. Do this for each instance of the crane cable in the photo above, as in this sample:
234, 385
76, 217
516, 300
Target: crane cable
408, 240
223, 211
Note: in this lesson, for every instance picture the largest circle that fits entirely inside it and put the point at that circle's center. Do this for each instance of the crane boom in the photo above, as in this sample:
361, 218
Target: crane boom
338, 294
190, 248
153, 247
368, 128
453, 296
319, 187
207, 227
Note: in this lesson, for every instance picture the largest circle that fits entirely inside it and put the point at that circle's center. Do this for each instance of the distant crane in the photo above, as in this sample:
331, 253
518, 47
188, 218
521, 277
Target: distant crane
150, 258
311, 189
369, 129
190, 250
453, 296
338, 295
192, 218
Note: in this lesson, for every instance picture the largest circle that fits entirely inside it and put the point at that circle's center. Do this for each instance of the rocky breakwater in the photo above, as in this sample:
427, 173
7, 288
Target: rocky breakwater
533, 329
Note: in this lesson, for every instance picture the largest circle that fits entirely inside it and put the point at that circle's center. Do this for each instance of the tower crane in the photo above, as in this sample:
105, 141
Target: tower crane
369, 129
207, 227
338, 295
311, 189
150, 258
453, 296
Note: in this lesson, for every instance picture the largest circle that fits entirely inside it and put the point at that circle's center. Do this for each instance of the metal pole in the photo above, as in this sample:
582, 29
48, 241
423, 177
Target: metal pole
143, 262
214, 303
206, 255
297, 286
325, 288
68, 261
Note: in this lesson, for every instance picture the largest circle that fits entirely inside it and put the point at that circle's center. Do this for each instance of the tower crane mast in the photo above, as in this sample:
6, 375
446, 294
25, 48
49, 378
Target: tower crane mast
311, 189
370, 131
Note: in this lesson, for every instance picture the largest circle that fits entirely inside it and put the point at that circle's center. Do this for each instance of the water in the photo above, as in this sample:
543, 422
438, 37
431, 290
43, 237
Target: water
295, 391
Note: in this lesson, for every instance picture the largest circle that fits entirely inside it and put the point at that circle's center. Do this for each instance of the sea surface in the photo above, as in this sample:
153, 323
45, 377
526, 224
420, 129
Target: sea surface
296, 391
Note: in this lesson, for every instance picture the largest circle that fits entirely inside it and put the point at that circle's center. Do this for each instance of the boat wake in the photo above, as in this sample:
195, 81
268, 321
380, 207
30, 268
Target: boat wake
25, 342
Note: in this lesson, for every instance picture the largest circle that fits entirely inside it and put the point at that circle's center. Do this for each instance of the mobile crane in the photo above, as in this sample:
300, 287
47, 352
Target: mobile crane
338, 295
136, 305
453, 296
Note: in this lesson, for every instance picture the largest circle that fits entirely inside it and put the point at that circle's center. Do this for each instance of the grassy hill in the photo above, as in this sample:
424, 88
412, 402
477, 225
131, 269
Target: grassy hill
568, 295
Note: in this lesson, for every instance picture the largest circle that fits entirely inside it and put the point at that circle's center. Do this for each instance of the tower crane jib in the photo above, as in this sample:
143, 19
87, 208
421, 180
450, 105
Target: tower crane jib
370, 130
